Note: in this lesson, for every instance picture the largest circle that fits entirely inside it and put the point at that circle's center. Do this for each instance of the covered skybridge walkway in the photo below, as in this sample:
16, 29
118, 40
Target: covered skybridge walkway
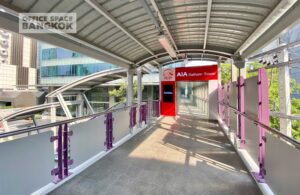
187, 155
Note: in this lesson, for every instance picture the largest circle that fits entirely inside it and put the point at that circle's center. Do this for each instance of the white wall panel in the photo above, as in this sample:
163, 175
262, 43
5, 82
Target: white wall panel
87, 140
233, 101
282, 166
26, 164
121, 124
251, 108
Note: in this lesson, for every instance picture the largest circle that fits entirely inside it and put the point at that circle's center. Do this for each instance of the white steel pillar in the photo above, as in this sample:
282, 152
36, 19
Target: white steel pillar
139, 86
243, 71
150, 92
79, 106
160, 69
53, 117
219, 72
111, 98
284, 95
129, 87
233, 72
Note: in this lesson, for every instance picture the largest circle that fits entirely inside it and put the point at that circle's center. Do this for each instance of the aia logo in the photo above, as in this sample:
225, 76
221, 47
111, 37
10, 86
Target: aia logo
182, 74
168, 74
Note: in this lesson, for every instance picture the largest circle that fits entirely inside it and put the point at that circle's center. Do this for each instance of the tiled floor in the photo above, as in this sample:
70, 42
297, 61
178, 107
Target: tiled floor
182, 155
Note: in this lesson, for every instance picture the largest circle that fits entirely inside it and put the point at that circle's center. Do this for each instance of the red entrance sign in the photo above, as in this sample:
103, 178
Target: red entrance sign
198, 73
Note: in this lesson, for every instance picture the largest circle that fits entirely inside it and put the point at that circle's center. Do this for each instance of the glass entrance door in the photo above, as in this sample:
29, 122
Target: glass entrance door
192, 98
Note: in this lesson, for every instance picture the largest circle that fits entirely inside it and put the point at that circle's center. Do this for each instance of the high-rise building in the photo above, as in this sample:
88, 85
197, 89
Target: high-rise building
58, 66
18, 61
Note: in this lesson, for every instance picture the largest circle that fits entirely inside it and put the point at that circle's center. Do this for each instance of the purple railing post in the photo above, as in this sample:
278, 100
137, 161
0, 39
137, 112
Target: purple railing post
142, 113
66, 160
241, 107
63, 159
219, 100
263, 117
223, 107
145, 112
130, 118
59, 152
132, 115
109, 131
228, 109
58, 171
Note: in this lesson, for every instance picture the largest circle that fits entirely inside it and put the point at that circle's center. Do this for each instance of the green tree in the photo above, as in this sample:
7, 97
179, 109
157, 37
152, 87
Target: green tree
226, 73
120, 93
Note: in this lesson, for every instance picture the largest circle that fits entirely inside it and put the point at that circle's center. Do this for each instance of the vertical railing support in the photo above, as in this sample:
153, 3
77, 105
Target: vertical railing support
109, 131
228, 109
222, 106
66, 158
220, 99
59, 153
62, 150
263, 117
132, 117
143, 113
241, 108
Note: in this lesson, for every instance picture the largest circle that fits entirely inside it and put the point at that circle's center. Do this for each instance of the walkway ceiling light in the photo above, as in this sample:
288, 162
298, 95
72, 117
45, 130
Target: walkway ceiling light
167, 46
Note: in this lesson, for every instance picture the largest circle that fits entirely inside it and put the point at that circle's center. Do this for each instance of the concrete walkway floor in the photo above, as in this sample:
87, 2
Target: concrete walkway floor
182, 155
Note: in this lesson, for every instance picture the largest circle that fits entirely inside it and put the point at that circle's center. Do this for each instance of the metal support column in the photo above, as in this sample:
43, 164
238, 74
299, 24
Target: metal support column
139, 86
284, 95
111, 98
241, 107
129, 87
79, 110
219, 73
234, 71
160, 87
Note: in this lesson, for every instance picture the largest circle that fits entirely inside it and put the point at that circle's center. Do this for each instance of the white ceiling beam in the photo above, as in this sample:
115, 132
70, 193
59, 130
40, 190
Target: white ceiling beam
162, 20
150, 13
94, 4
282, 7
208, 11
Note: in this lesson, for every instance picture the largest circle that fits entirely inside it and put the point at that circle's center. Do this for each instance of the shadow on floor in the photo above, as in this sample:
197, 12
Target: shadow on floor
179, 155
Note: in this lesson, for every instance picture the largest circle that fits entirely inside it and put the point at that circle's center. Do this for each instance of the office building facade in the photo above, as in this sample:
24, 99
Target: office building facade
18, 73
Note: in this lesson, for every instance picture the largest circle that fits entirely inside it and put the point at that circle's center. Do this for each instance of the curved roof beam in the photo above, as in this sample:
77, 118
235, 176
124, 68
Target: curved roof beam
94, 4
150, 13
162, 20
282, 7
180, 60
182, 51
86, 79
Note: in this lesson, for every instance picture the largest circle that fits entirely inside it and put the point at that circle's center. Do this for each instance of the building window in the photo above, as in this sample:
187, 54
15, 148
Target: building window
59, 53
74, 70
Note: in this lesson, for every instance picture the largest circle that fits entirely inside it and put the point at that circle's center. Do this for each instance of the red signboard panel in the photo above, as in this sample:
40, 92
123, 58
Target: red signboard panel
197, 73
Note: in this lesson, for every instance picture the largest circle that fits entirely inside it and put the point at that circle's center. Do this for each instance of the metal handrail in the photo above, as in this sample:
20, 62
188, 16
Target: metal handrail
270, 129
30, 129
